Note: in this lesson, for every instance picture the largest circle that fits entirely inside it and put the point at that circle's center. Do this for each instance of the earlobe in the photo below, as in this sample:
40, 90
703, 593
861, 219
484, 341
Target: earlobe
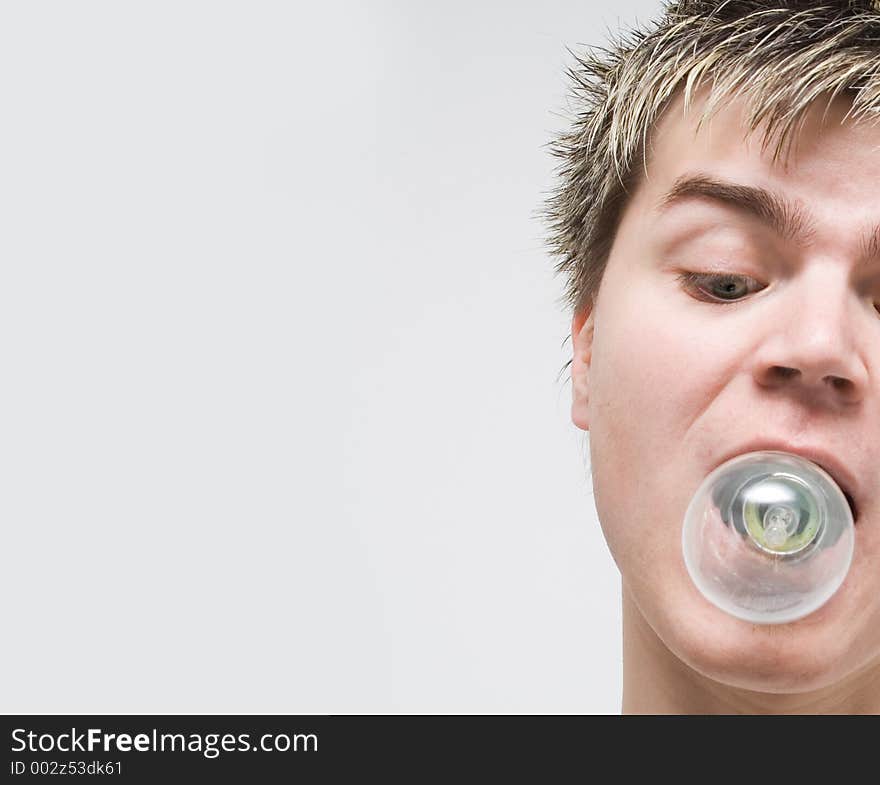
582, 326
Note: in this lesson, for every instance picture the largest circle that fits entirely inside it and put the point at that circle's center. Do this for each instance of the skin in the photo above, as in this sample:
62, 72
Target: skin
667, 384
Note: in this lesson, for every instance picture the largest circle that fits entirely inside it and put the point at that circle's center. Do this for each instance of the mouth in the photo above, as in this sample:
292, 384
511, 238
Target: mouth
852, 506
824, 460
834, 475
847, 495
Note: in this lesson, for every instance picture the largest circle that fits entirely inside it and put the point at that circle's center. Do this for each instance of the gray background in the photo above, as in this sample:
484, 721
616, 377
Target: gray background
281, 429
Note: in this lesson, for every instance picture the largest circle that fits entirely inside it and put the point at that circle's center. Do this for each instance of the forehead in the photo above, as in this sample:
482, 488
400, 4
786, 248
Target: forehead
832, 171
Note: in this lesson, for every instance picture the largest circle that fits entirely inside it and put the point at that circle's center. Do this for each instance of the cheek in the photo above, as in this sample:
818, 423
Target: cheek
648, 381
647, 386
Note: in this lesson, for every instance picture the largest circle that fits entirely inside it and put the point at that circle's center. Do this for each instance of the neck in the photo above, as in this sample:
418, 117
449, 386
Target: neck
655, 681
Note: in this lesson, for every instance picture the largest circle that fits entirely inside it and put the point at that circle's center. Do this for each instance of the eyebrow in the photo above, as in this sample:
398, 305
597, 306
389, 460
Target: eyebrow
788, 219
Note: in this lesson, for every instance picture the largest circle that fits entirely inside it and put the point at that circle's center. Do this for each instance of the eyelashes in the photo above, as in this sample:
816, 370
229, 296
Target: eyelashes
725, 288
722, 288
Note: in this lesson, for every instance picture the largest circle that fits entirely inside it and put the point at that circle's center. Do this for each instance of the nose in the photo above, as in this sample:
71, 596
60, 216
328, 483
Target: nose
810, 346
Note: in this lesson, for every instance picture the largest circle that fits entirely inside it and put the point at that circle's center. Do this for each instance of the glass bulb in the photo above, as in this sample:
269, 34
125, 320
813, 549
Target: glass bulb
768, 537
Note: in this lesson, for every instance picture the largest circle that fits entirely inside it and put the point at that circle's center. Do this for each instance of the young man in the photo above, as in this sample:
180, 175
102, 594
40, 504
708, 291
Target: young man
718, 219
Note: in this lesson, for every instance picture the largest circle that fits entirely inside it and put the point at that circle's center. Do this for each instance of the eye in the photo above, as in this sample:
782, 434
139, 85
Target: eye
719, 287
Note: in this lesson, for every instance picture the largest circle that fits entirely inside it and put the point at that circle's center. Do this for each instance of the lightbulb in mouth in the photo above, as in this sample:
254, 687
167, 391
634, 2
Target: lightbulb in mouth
768, 537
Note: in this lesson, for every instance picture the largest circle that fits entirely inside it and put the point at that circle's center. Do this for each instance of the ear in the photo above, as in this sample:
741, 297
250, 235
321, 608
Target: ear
582, 341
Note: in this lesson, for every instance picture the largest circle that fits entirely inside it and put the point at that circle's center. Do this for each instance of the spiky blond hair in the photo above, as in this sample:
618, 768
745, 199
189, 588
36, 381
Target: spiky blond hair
779, 55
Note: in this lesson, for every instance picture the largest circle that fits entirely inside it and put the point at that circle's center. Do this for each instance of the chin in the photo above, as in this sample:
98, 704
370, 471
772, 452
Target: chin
797, 657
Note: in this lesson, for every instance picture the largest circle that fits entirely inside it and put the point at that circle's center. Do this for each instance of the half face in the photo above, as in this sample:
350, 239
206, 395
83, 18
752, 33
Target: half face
740, 308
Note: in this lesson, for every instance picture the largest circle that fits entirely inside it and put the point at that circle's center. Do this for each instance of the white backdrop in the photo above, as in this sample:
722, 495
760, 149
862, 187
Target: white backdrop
281, 426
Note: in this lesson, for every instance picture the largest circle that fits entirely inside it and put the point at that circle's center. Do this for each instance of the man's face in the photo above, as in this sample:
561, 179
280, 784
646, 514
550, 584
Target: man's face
671, 381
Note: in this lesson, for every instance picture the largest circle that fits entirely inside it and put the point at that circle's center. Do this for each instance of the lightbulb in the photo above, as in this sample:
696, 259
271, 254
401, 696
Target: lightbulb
768, 537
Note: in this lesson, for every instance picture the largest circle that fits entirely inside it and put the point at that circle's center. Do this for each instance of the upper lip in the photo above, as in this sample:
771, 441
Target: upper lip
823, 458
